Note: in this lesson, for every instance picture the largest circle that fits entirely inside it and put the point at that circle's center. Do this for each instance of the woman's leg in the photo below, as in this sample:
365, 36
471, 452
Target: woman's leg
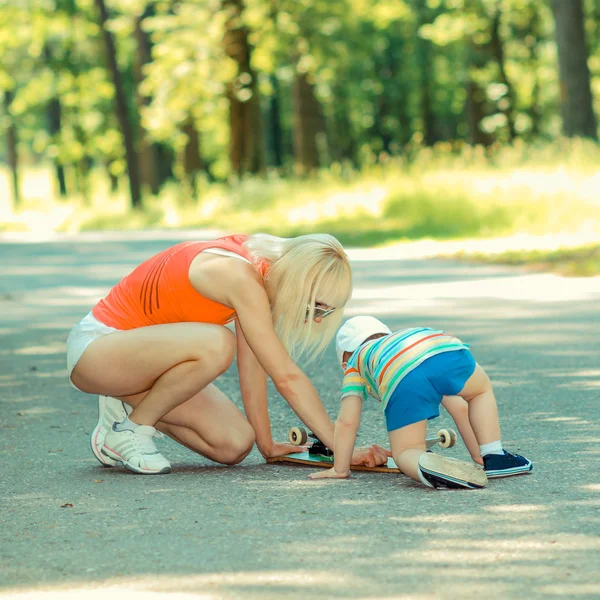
209, 424
483, 410
160, 368
171, 362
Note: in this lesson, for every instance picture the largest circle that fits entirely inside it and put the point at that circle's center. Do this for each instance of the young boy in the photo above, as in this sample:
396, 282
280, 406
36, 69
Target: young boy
411, 372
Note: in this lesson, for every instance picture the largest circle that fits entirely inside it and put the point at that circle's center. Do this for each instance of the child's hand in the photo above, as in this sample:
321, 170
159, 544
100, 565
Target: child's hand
373, 456
329, 474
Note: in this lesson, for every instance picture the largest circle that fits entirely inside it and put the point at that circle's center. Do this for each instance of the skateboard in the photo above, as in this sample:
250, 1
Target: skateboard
318, 455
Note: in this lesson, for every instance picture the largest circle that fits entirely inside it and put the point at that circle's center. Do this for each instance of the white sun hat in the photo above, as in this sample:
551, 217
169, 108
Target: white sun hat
355, 331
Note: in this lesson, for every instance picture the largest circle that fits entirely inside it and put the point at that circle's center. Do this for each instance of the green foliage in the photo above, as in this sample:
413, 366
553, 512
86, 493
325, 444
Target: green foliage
389, 77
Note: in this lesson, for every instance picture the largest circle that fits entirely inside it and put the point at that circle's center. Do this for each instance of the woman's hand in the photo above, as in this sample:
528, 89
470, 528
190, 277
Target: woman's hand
329, 474
275, 449
370, 457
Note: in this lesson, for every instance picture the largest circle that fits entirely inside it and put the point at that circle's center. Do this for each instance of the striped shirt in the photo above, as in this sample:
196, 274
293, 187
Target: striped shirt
377, 367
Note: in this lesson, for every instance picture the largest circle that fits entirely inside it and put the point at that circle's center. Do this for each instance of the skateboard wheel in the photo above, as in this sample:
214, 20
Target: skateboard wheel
452, 438
297, 436
447, 438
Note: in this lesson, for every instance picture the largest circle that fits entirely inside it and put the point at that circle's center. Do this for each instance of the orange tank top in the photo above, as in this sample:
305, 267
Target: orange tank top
159, 290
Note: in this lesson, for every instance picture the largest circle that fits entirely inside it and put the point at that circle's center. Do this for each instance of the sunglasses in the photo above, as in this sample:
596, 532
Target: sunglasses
320, 311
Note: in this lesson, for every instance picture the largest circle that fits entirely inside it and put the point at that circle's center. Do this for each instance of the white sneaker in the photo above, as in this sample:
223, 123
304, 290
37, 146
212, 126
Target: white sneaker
110, 410
135, 450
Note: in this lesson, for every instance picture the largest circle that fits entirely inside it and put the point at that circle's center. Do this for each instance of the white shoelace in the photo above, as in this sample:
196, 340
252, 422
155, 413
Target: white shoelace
144, 442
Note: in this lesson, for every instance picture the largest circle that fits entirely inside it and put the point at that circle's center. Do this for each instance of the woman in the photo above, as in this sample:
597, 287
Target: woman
157, 343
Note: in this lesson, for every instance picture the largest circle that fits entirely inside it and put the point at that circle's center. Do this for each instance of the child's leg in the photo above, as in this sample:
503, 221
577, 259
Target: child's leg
483, 410
458, 409
483, 416
407, 444
408, 450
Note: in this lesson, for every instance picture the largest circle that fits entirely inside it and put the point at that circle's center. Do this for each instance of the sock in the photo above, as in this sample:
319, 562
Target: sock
125, 425
491, 448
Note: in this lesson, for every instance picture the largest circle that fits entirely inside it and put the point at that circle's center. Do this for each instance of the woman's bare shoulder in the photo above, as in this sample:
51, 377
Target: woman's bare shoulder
222, 278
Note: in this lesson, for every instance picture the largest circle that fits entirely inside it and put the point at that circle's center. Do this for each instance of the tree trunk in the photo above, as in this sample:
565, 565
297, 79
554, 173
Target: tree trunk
576, 96
424, 51
386, 71
427, 114
147, 151
121, 109
339, 129
308, 126
54, 127
475, 107
12, 150
274, 136
113, 179
534, 110
246, 150
192, 159
498, 50
402, 79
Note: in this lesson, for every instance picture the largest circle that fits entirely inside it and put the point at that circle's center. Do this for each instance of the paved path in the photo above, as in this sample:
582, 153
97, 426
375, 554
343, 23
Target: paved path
265, 532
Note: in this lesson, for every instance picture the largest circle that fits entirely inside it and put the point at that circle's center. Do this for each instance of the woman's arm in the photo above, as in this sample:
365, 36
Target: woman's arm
253, 386
254, 315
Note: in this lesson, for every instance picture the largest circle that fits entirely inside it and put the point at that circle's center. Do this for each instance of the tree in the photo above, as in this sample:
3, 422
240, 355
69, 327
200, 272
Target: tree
575, 93
121, 107
12, 146
54, 127
246, 149
497, 45
147, 151
308, 125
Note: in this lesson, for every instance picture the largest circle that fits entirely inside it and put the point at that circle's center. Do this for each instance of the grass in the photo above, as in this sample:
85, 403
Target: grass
583, 261
448, 192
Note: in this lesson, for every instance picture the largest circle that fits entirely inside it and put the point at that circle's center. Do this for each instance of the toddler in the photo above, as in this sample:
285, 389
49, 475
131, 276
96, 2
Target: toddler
411, 372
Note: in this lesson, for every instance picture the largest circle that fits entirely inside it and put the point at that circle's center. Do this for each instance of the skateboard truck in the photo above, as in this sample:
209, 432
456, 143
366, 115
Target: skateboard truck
318, 447
298, 436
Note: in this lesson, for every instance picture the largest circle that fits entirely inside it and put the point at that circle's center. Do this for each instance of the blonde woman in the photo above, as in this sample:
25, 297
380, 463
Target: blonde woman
154, 346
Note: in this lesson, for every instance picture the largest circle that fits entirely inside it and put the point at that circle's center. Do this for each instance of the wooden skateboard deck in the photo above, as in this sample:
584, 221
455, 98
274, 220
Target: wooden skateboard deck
316, 460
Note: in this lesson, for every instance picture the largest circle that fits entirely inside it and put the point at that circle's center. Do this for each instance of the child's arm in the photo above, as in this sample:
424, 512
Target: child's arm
346, 428
459, 411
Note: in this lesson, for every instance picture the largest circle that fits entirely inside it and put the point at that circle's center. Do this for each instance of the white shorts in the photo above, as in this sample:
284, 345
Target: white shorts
81, 336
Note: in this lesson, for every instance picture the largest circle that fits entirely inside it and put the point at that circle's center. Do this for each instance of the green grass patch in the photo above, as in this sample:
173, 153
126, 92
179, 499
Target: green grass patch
583, 261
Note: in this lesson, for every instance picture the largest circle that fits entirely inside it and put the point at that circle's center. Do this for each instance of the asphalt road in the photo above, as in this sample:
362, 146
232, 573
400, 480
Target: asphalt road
258, 531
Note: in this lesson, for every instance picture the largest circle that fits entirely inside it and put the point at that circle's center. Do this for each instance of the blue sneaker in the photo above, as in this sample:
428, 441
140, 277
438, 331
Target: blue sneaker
505, 465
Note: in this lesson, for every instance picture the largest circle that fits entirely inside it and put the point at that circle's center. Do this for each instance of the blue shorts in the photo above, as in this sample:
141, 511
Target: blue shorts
419, 394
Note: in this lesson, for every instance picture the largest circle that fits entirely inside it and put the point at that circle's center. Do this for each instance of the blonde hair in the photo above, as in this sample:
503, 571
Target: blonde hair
303, 270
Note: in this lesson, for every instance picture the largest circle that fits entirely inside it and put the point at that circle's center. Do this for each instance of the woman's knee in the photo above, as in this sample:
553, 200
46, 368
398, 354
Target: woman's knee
222, 348
237, 447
